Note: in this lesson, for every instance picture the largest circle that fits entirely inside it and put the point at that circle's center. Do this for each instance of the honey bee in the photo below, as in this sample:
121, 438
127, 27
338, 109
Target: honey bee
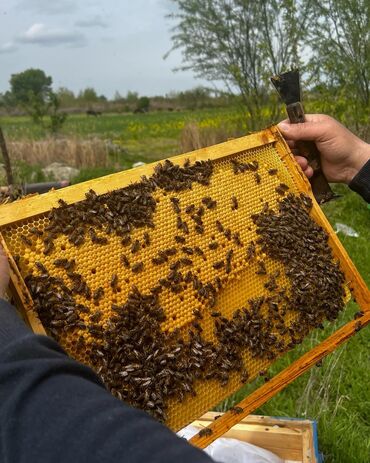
199, 251
135, 246
215, 314
159, 260
187, 250
234, 203
98, 294
126, 240
209, 203
251, 250
25, 240
227, 234
96, 316
236, 410
190, 209
138, 267
205, 432
180, 239
282, 189
175, 205
261, 268
219, 226
197, 314
253, 166
218, 265
36, 231
48, 247
124, 260
114, 281
199, 229
272, 171
236, 238
41, 268
146, 238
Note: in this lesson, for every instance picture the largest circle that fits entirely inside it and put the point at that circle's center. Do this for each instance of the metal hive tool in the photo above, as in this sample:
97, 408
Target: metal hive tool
229, 203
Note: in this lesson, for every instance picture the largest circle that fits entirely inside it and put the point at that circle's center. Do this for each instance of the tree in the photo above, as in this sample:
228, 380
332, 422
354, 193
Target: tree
132, 97
31, 89
88, 95
197, 97
241, 43
340, 42
30, 85
66, 97
143, 104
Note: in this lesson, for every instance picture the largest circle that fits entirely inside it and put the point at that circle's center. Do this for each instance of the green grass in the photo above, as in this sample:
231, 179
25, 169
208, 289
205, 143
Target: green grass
337, 393
154, 135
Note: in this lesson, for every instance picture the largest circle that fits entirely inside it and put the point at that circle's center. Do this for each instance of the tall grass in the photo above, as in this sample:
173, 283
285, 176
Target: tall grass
71, 151
193, 136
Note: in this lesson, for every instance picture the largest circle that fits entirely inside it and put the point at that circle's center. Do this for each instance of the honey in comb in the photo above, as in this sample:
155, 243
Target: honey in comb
208, 392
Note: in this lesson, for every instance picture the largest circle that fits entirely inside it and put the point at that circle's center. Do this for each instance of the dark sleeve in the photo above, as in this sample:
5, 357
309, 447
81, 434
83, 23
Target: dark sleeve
361, 182
53, 409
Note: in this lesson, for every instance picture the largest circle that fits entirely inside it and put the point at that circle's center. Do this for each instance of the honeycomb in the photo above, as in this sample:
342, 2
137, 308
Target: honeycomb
97, 263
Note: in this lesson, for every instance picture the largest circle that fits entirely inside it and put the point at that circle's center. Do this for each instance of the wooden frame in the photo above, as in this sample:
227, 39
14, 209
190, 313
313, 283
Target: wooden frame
289, 439
32, 206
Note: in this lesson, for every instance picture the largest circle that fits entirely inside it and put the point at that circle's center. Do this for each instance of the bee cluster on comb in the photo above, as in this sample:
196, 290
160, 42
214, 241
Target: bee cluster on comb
131, 282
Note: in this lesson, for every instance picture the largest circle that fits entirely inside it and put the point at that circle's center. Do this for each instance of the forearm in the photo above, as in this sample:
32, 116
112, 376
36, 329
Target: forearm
55, 409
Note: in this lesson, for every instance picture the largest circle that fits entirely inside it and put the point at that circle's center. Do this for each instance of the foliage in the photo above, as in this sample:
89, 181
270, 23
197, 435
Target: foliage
30, 85
57, 118
143, 104
31, 89
340, 63
194, 98
132, 97
241, 43
66, 97
88, 95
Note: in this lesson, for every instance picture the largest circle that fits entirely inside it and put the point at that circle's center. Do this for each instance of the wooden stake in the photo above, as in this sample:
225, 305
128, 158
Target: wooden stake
8, 167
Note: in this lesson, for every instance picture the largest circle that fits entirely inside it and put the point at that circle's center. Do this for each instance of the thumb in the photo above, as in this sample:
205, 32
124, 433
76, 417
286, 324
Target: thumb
302, 131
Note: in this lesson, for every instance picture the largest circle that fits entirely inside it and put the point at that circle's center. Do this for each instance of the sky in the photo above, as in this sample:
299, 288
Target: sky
111, 45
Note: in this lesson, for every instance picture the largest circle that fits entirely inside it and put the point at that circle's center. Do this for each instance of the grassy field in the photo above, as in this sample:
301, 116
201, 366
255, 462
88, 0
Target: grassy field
337, 393
153, 135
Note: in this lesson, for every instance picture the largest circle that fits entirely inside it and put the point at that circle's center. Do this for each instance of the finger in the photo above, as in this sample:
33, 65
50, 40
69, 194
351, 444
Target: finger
302, 162
308, 172
2, 252
313, 129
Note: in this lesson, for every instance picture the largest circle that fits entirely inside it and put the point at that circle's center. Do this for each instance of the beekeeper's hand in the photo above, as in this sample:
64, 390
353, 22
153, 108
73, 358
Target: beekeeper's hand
342, 153
4, 273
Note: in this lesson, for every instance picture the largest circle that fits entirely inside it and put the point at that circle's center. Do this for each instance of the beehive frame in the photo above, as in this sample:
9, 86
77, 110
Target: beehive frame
14, 214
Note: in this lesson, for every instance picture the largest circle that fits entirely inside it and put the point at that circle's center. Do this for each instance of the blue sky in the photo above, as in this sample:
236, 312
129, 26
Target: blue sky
109, 45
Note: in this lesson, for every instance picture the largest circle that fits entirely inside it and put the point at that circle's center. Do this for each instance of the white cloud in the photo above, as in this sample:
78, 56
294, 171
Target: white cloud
8, 47
40, 34
95, 21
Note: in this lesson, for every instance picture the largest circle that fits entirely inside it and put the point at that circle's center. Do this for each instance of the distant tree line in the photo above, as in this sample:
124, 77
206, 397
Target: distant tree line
31, 92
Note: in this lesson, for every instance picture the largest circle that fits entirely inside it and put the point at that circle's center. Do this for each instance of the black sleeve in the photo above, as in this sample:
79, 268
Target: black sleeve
53, 409
361, 182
